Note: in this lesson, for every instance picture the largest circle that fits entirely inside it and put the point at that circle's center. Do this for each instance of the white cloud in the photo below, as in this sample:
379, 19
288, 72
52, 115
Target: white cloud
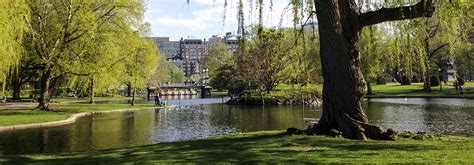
208, 2
208, 18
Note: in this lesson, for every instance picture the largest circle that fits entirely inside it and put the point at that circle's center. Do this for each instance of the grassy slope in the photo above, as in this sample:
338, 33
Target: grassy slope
416, 89
15, 117
274, 147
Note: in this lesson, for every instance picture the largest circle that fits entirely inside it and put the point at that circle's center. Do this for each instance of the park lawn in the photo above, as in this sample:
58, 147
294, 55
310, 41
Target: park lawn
216, 93
86, 99
62, 111
286, 90
273, 147
416, 90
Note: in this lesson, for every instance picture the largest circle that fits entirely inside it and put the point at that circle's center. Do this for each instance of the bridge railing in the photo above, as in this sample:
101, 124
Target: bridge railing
178, 85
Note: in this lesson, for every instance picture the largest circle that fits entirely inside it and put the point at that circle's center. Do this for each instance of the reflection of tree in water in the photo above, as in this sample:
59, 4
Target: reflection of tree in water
445, 119
396, 116
436, 116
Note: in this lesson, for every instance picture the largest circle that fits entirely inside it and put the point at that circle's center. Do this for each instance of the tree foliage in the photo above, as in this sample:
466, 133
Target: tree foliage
87, 46
12, 27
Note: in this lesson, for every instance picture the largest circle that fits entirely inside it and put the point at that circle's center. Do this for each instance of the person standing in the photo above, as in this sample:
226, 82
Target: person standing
4, 100
157, 98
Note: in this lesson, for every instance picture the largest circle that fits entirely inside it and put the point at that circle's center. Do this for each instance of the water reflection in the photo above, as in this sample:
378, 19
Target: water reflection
192, 121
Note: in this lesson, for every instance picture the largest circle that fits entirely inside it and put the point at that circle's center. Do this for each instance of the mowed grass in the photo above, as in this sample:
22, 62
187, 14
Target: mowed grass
86, 99
274, 147
416, 89
61, 111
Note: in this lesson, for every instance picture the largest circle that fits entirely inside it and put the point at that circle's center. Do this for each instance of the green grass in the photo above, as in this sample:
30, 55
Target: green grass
86, 99
285, 89
416, 89
274, 147
216, 93
63, 111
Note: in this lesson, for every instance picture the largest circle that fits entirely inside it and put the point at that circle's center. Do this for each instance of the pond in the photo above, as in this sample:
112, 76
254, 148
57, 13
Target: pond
194, 121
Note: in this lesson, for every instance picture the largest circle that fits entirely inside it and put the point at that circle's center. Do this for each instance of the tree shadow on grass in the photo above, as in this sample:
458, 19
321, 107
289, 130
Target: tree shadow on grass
269, 148
231, 149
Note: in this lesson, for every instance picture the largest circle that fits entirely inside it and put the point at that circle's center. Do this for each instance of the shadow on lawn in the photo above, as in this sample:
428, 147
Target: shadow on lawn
257, 148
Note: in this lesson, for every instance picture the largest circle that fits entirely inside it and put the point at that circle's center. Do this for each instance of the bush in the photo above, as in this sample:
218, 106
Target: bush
405, 80
460, 81
415, 79
380, 80
434, 81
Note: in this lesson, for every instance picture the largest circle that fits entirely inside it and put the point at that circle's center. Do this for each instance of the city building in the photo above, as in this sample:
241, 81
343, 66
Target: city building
192, 50
187, 53
232, 41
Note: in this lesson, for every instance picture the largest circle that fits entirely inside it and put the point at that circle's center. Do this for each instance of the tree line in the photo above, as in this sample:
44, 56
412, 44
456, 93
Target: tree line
85, 47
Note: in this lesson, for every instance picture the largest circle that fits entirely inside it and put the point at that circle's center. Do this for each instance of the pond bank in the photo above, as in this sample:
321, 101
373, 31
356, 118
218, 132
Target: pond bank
274, 147
270, 100
71, 119
22, 116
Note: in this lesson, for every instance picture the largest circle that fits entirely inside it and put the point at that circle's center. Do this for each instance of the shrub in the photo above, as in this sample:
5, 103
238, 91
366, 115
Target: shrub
415, 79
405, 80
434, 81
380, 80
460, 81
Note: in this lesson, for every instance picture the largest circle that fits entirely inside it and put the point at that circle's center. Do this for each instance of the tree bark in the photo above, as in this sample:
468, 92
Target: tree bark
129, 89
92, 91
16, 84
427, 80
340, 24
148, 93
45, 94
133, 97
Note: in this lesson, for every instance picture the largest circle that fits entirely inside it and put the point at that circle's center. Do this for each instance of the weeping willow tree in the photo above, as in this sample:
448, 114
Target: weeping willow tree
372, 55
12, 28
340, 24
444, 31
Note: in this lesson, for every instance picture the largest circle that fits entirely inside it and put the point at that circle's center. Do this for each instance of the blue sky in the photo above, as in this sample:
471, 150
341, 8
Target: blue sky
203, 18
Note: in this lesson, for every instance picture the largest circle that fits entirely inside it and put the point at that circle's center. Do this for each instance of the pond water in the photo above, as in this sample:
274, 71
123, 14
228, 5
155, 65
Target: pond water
194, 120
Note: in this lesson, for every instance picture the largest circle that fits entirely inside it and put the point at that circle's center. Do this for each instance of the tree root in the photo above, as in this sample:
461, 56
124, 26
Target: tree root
350, 129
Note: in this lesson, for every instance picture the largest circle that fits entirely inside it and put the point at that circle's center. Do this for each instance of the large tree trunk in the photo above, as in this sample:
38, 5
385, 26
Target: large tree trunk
16, 84
427, 79
49, 86
340, 24
129, 89
343, 80
16, 92
45, 90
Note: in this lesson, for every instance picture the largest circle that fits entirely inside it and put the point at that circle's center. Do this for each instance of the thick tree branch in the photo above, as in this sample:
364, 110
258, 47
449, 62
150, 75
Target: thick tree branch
436, 50
424, 8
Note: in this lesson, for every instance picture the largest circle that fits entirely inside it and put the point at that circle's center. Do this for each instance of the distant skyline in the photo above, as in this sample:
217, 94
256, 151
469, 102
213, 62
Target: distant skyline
204, 18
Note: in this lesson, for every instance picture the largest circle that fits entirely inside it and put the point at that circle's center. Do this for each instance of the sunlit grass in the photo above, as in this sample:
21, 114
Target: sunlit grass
275, 147
416, 89
61, 111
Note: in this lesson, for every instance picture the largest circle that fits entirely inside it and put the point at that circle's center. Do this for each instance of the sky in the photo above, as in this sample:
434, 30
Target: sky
204, 18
